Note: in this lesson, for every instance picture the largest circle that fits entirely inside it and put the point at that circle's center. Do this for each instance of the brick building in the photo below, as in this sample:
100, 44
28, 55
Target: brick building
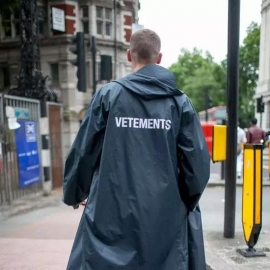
111, 27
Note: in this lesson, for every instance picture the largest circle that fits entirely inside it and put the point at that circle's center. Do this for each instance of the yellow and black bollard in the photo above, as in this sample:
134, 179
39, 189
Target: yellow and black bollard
252, 199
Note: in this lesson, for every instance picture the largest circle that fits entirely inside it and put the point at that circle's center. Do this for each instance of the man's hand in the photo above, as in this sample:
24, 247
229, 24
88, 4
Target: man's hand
83, 203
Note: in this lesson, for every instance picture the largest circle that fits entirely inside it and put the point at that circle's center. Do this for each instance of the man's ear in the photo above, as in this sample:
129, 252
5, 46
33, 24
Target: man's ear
129, 56
159, 58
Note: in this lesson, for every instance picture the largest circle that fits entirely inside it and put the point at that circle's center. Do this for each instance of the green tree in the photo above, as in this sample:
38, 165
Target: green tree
248, 72
195, 86
195, 72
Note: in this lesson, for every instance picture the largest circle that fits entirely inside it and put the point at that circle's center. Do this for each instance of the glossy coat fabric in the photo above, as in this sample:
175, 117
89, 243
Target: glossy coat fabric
195, 241
137, 133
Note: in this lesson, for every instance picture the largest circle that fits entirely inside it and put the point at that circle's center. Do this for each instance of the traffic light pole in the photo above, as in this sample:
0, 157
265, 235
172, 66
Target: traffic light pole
232, 110
94, 52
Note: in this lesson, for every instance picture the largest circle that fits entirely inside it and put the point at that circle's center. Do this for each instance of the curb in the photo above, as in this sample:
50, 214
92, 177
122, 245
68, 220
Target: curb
30, 203
222, 184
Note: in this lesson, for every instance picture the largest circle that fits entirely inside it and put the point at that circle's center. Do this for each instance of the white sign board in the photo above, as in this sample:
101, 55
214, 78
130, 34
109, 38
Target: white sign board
10, 112
58, 19
136, 27
13, 124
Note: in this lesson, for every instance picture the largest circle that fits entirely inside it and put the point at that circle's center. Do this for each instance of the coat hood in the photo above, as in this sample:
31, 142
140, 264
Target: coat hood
151, 81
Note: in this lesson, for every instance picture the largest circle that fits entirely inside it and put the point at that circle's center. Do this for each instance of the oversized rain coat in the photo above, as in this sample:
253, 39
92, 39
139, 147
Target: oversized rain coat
141, 159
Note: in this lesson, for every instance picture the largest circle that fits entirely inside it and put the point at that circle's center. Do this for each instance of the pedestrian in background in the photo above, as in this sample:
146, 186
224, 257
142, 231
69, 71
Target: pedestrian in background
255, 134
141, 159
241, 139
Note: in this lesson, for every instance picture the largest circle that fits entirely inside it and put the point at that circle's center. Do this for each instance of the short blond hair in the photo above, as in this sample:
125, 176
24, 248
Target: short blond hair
145, 46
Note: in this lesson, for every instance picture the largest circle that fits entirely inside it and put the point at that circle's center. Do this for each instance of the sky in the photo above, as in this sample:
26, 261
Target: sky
194, 23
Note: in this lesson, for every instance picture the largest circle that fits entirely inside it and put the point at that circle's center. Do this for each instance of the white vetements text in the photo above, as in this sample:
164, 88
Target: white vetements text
128, 122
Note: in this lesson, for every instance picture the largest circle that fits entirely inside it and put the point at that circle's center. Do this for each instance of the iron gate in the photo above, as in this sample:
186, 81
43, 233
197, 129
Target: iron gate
9, 172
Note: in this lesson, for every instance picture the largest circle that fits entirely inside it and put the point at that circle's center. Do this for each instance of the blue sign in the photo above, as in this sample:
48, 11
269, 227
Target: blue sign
27, 152
21, 113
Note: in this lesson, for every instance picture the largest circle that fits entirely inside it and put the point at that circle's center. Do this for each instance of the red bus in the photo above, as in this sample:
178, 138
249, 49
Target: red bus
215, 114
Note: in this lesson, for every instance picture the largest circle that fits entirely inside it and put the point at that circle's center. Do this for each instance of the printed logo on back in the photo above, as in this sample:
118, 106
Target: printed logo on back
144, 123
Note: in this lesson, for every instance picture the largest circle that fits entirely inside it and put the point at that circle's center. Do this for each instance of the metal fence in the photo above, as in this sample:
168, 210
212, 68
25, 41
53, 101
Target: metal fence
9, 171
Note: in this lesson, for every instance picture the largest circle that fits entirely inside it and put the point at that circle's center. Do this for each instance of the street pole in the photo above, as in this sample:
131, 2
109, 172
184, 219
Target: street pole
94, 51
206, 103
261, 120
222, 173
232, 110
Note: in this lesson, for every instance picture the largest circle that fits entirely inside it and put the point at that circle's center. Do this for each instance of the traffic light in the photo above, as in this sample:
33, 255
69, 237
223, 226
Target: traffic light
260, 105
79, 50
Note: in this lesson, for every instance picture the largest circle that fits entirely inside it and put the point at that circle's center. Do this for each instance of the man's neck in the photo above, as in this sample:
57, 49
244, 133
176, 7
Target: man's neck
137, 66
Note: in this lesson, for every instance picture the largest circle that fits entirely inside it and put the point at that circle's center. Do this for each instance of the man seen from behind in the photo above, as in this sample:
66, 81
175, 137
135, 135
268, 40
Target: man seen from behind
141, 161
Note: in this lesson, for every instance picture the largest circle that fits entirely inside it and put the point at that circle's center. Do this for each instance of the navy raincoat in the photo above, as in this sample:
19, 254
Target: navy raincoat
141, 159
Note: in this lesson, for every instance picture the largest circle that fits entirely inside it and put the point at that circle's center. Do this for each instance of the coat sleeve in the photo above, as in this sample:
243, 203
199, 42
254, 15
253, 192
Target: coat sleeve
193, 157
85, 153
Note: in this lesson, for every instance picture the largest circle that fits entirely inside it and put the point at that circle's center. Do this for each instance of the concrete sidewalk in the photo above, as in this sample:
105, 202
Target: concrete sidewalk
40, 239
30, 203
221, 253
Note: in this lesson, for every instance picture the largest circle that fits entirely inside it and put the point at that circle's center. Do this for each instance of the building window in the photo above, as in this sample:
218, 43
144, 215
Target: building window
108, 29
4, 77
16, 22
99, 27
41, 20
10, 22
55, 74
85, 19
99, 12
11, 25
104, 21
7, 24
108, 14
